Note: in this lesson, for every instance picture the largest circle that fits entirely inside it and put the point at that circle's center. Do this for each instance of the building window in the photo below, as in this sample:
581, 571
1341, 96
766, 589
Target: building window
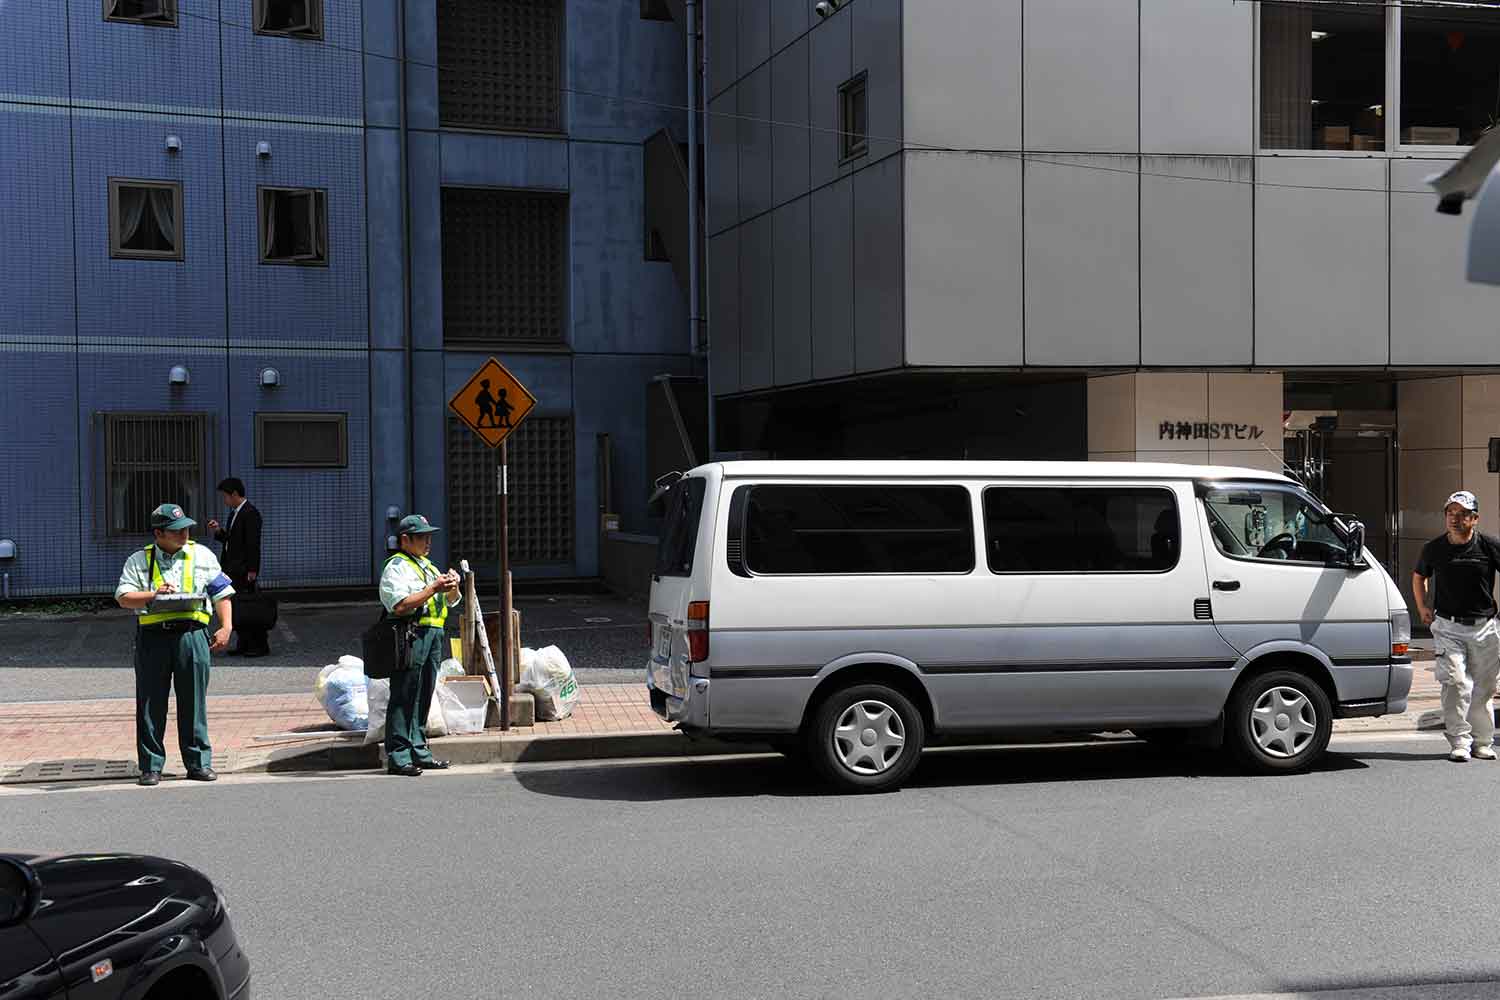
854, 119
504, 267
145, 219
540, 453
1450, 75
500, 64
294, 18
1043, 529
293, 226
1324, 83
151, 459
301, 440
159, 13
858, 530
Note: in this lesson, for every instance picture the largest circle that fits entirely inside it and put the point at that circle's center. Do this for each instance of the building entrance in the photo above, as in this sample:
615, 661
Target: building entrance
1348, 459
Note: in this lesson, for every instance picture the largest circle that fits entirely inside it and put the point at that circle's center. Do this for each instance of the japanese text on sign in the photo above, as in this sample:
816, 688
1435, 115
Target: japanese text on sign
1184, 430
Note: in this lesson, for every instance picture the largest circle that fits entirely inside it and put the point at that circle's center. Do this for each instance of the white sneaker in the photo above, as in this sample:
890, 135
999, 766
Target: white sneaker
1461, 754
1484, 753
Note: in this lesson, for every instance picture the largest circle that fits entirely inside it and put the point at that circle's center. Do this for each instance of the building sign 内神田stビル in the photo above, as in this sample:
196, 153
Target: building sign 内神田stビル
1184, 430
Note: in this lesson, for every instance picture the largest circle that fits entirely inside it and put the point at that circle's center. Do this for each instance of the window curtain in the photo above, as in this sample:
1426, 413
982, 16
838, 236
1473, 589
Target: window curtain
132, 208
164, 212
1285, 77
270, 205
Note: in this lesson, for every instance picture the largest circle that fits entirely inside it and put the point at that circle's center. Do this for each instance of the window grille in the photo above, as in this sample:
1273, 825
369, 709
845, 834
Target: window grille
160, 13
504, 266
541, 494
152, 459
293, 226
854, 119
500, 64
301, 440
295, 18
145, 219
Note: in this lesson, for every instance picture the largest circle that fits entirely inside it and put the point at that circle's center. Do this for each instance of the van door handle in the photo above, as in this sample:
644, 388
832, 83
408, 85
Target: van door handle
1226, 585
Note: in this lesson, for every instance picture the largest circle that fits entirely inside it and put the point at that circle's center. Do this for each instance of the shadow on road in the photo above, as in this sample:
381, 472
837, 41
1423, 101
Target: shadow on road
774, 775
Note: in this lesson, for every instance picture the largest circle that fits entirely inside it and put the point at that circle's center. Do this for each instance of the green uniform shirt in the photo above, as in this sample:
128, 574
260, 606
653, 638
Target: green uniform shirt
400, 580
208, 577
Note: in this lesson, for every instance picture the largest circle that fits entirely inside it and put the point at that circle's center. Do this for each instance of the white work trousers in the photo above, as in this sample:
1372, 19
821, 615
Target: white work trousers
1468, 662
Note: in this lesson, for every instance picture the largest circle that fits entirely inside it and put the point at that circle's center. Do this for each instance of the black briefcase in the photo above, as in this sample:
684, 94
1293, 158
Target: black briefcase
254, 611
386, 646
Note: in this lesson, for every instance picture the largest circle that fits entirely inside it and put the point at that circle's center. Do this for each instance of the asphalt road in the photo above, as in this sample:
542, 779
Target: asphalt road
1099, 871
89, 656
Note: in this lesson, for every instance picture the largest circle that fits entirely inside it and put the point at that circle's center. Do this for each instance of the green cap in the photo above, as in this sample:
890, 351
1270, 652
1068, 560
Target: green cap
415, 524
169, 517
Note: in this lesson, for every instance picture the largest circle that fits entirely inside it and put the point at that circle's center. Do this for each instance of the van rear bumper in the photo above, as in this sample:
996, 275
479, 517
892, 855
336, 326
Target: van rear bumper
690, 713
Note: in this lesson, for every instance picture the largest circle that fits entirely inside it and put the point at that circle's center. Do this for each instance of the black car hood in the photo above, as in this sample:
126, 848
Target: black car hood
68, 878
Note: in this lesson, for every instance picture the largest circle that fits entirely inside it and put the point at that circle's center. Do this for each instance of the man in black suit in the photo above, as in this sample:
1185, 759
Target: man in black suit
240, 557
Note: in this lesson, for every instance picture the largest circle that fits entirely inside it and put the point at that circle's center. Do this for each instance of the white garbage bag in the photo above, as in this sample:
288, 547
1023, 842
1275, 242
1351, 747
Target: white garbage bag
463, 719
379, 698
378, 694
547, 674
342, 690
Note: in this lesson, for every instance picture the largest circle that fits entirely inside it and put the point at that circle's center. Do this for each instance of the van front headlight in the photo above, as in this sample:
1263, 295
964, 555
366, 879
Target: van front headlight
1400, 632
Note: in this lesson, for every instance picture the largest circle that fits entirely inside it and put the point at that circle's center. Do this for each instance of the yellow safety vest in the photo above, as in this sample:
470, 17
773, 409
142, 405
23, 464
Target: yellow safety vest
199, 615
435, 611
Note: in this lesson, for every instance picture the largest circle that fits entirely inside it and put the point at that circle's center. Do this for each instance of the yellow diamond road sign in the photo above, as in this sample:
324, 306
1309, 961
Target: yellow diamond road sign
493, 403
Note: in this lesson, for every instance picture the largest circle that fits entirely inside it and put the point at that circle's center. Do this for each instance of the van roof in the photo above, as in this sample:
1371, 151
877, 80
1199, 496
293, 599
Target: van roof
898, 469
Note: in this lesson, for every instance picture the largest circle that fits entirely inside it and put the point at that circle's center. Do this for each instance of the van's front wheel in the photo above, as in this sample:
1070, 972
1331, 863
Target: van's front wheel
866, 738
1279, 722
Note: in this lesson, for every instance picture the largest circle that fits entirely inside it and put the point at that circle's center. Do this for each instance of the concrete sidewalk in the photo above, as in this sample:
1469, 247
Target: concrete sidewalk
93, 740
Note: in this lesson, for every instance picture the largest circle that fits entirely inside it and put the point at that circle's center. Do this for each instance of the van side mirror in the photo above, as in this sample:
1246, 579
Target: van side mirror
20, 892
1355, 543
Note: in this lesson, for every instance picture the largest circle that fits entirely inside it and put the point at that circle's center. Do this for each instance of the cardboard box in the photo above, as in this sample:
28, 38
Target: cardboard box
1367, 142
1333, 137
1431, 135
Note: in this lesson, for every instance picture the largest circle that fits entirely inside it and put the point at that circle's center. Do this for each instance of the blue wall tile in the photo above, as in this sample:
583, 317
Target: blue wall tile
504, 161
274, 75
39, 502
36, 51
384, 222
613, 51
135, 64
388, 451
178, 301
280, 302
424, 169
36, 258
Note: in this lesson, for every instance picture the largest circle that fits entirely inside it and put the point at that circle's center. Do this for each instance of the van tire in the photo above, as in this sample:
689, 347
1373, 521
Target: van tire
868, 762
1277, 712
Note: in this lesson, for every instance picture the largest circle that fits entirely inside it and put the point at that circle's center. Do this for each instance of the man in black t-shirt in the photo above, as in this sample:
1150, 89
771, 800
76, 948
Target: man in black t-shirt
1461, 564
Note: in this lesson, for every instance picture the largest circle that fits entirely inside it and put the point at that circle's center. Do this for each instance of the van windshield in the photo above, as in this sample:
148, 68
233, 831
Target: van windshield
679, 534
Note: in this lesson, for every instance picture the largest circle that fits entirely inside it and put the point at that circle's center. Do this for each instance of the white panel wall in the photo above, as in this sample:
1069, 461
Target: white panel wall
1437, 316
755, 142
963, 259
877, 52
755, 34
1321, 262
962, 75
833, 280
790, 137
1082, 261
878, 342
789, 19
1082, 76
1197, 77
829, 66
1197, 261
792, 284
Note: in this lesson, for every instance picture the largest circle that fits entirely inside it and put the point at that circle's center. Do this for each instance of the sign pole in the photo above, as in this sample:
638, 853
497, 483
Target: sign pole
503, 489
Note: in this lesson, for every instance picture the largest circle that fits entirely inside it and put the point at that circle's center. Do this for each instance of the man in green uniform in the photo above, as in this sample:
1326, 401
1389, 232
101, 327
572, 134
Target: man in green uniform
411, 586
172, 642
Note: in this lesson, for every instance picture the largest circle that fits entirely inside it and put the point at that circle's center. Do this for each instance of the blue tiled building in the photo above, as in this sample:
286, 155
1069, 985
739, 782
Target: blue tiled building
217, 191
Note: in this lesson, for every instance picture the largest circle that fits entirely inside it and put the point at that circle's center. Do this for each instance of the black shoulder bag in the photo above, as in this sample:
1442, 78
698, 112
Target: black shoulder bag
386, 645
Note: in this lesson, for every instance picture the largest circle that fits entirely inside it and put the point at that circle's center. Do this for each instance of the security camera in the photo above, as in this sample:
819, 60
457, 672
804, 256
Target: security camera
825, 8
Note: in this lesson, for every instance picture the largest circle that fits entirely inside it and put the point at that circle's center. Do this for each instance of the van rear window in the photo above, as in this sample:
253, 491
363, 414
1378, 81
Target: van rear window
859, 530
679, 533
1068, 529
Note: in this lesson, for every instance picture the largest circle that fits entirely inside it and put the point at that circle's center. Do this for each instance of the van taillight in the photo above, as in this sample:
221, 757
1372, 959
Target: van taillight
697, 631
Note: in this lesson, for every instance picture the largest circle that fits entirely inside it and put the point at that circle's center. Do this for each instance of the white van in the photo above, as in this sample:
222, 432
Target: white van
855, 612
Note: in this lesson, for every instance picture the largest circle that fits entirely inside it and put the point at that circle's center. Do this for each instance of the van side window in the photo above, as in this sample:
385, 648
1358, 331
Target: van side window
846, 530
679, 533
1076, 529
1265, 522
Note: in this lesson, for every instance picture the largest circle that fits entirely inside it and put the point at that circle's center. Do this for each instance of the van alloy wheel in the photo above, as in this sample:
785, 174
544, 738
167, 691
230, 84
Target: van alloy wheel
869, 737
1283, 722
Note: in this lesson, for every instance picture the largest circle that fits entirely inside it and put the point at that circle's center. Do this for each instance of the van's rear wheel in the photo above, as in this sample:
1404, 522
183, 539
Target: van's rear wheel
1278, 722
866, 738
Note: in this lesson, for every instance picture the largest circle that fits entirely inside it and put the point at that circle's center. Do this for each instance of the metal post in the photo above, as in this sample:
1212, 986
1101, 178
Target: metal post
695, 308
502, 485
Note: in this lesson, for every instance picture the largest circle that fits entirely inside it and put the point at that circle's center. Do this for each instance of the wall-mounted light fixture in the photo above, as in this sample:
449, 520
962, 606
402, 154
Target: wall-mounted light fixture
262, 148
7, 549
174, 144
270, 378
179, 375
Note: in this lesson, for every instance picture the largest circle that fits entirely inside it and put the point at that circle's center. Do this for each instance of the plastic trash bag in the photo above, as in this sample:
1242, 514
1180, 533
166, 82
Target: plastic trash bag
461, 719
547, 674
378, 694
342, 690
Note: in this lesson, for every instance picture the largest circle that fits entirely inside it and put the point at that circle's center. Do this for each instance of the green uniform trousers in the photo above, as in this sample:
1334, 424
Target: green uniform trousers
411, 699
164, 660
